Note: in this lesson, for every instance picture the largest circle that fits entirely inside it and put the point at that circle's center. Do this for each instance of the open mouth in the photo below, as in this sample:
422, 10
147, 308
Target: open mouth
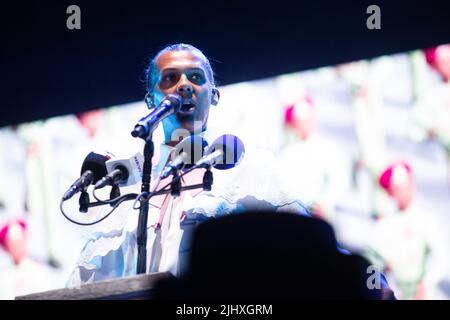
187, 107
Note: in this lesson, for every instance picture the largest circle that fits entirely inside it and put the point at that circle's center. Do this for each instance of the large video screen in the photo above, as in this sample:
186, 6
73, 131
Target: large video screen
363, 145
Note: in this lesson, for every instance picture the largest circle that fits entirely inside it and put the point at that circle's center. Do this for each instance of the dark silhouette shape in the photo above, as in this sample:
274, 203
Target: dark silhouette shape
258, 255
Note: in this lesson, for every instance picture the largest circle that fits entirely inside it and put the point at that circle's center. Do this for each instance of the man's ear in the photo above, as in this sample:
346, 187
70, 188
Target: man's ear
215, 96
149, 100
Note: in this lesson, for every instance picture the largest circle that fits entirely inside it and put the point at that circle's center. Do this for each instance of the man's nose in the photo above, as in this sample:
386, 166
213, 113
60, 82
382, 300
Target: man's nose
185, 87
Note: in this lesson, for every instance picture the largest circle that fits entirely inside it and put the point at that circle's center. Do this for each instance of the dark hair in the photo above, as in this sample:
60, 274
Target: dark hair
151, 70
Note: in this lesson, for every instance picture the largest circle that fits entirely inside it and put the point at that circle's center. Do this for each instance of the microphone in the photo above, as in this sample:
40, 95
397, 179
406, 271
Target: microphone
175, 165
148, 124
187, 152
92, 169
122, 171
226, 152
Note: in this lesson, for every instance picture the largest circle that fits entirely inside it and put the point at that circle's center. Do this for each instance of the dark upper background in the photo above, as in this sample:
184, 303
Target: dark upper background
48, 70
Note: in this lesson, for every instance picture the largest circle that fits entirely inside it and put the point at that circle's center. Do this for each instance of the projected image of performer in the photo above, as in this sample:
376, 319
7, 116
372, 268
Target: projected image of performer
19, 276
432, 98
313, 178
406, 242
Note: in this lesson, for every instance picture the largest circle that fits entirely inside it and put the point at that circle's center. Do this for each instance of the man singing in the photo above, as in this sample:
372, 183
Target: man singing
184, 70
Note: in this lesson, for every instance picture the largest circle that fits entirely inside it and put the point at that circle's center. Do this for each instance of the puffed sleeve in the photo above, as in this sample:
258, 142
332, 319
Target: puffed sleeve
105, 256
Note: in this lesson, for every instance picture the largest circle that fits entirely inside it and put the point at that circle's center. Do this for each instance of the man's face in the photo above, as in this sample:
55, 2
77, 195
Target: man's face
304, 119
402, 187
183, 73
16, 242
443, 61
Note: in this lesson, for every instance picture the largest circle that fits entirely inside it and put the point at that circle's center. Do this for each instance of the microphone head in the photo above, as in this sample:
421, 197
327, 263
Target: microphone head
169, 105
233, 151
194, 148
174, 100
132, 168
95, 162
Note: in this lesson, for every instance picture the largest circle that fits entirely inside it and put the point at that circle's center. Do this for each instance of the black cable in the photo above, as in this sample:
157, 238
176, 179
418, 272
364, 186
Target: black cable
119, 201
111, 201
148, 195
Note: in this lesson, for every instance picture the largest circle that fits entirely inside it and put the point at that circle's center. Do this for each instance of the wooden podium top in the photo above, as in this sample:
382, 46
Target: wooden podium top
133, 287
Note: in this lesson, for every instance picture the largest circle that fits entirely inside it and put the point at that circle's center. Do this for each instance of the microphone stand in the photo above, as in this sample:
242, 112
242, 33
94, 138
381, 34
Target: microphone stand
143, 210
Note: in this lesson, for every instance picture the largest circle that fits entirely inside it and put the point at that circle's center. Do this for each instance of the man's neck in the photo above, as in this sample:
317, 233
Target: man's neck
172, 143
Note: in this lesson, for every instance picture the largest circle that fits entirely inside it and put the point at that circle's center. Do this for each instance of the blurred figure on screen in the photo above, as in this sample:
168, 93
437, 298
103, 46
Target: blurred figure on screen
439, 59
309, 163
363, 80
91, 121
405, 242
431, 115
22, 275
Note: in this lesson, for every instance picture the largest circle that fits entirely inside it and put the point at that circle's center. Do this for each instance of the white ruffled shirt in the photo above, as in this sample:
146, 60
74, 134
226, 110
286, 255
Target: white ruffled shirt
111, 251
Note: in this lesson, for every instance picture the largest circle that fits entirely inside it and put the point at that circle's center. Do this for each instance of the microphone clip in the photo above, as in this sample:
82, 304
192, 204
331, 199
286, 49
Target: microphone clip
84, 201
208, 180
115, 193
175, 186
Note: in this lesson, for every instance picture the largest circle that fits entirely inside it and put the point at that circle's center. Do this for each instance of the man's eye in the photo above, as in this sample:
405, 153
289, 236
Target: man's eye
168, 78
197, 77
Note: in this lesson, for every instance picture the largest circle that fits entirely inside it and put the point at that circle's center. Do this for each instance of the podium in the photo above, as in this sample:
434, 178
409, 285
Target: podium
140, 287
